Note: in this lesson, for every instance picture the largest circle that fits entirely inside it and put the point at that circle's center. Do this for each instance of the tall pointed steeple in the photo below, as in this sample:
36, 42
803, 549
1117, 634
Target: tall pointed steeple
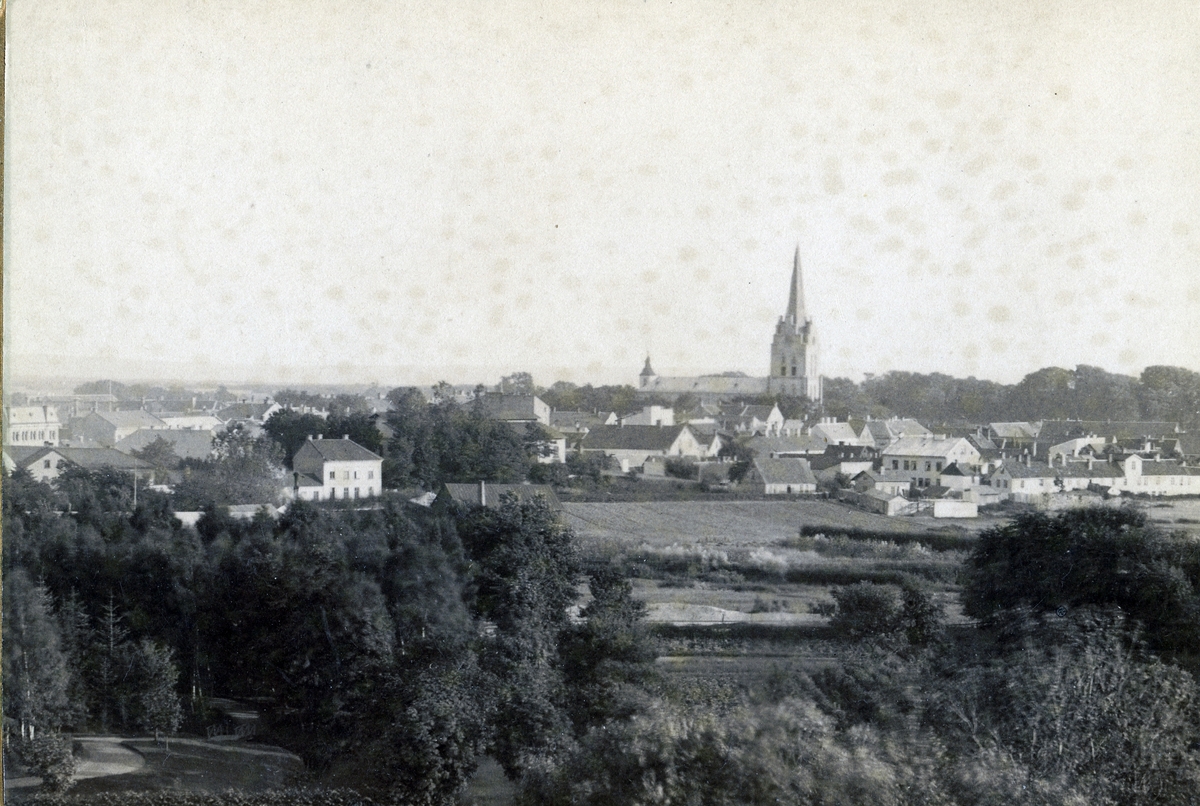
795, 309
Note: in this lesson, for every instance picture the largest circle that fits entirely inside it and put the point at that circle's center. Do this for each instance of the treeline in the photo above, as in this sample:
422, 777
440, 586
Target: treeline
1085, 393
389, 648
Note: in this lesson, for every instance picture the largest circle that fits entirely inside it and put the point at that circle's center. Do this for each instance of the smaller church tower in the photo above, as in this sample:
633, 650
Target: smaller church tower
794, 348
647, 375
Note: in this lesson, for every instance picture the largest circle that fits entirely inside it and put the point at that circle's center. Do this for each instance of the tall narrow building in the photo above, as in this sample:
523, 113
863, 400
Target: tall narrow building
794, 349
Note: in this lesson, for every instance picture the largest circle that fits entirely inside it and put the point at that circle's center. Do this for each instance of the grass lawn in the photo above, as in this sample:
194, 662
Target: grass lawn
195, 765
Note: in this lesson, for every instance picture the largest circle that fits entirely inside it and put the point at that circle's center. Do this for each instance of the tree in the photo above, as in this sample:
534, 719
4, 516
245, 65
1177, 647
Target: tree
1047, 394
563, 395
291, 430
160, 454
36, 677
359, 426
519, 383
157, 707
1171, 394
525, 582
1090, 556
244, 469
608, 657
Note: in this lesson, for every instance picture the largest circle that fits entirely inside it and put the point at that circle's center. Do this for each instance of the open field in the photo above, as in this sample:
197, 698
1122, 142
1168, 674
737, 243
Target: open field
1177, 514
735, 523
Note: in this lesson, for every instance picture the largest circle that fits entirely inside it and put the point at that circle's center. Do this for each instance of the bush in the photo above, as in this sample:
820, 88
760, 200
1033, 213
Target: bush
680, 468
50, 758
865, 609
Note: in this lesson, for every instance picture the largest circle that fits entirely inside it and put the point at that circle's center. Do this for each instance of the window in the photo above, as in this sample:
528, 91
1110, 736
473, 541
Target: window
46, 464
928, 466
345, 492
895, 464
345, 475
355, 474
356, 492
939, 465
333, 493
332, 475
370, 492
370, 475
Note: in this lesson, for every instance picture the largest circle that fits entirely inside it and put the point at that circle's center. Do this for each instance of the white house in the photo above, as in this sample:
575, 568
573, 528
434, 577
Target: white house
651, 415
46, 464
922, 458
632, 445
835, 433
329, 469
882, 433
782, 476
31, 425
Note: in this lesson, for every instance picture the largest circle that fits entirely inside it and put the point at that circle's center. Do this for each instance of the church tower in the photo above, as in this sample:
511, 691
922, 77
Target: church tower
794, 348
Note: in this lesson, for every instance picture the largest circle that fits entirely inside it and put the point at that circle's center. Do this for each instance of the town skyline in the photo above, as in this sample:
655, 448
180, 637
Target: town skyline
425, 194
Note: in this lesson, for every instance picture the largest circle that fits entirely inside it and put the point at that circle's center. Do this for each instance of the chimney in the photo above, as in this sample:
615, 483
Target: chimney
310, 437
345, 436
1089, 461
320, 436
482, 494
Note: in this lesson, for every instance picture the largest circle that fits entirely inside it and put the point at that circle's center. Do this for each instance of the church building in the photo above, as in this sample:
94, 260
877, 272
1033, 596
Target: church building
793, 368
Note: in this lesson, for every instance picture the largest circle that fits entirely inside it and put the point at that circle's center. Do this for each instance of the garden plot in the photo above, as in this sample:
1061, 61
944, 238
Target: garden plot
730, 523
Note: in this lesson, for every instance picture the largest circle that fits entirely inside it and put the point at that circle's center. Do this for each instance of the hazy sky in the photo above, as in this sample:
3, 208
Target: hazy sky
332, 190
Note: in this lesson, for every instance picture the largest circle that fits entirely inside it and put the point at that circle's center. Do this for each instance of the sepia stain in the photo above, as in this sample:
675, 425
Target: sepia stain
890, 244
999, 314
1105, 182
832, 177
992, 126
1004, 190
1180, 228
948, 100
979, 164
1137, 218
1072, 202
906, 176
862, 223
961, 309
1029, 162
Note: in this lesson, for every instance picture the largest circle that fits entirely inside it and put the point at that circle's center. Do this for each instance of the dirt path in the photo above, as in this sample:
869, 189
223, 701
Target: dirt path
104, 755
95, 756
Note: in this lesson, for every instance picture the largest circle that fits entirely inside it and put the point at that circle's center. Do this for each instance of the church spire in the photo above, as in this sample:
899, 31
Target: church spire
795, 309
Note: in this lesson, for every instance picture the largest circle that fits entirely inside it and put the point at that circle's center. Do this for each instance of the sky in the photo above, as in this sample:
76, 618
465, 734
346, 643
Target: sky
323, 191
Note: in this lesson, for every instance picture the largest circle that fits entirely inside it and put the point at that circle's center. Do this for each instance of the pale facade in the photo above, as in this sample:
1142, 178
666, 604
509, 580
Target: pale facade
922, 459
31, 425
341, 469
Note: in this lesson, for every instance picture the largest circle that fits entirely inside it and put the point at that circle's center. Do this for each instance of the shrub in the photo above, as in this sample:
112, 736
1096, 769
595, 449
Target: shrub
50, 758
681, 468
865, 609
